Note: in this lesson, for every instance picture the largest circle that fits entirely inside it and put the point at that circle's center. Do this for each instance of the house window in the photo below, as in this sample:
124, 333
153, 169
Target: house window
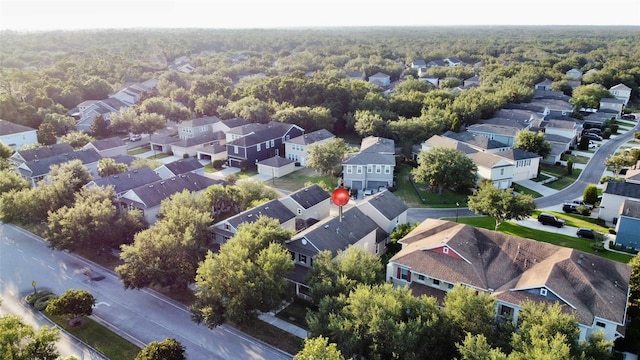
258, 147
387, 169
273, 143
445, 250
421, 278
600, 324
369, 169
235, 149
302, 258
543, 292
449, 286
378, 169
349, 170
436, 282
293, 255
359, 169
506, 311
227, 227
266, 145
501, 171
404, 274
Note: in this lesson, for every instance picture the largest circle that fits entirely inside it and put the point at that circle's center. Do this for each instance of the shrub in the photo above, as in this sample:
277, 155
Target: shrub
584, 143
570, 167
185, 156
32, 298
614, 128
606, 134
42, 303
612, 231
590, 194
636, 135
217, 164
583, 210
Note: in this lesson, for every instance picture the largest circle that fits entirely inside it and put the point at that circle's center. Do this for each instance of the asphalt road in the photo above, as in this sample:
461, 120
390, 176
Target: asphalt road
141, 316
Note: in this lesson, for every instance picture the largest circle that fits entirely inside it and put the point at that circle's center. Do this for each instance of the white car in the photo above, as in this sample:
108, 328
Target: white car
135, 137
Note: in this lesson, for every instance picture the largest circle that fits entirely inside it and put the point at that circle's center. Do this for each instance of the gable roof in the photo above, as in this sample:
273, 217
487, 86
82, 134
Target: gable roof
626, 189
560, 124
109, 143
42, 167
620, 87
510, 267
200, 139
202, 121
493, 129
151, 195
333, 234
234, 123
183, 166
9, 128
545, 82
273, 209
261, 132
478, 141
517, 154
312, 137
389, 205
276, 161
309, 196
127, 180
375, 144
631, 208
488, 160
379, 75
42, 152
446, 142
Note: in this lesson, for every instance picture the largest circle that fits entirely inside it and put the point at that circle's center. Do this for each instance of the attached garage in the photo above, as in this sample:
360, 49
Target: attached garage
356, 184
276, 166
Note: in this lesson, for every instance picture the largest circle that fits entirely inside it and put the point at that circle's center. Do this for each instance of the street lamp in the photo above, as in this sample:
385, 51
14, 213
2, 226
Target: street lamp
457, 208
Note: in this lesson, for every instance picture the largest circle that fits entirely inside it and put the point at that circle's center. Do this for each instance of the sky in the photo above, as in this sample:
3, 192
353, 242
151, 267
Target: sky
118, 14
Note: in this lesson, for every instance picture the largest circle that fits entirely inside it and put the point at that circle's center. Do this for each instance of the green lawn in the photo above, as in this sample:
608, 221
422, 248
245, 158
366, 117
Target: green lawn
560, 172
139, 150
548, 237
296, 313
407, 192
577, 159
523, 190
112, 345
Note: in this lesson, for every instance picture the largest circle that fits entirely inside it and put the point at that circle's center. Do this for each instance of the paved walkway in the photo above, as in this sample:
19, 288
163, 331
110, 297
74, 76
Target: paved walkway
284, 325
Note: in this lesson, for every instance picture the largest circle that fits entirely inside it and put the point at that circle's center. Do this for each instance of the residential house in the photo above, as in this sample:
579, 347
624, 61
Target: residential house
148, 198
574, 74
613, 106
544, 85
453, 61
621, 92
310, 205
372, 167
196, 127
386, 209
37, 169
356, 75
504, 134
91, 109
126, 181
225, 229
110, 147
430, 79
497, 169
40, 153
296, 149
333, 234
596, 119
437, 62
226, 125
477, 142
546, 103
179, 167
442, 141
559, 144
183, 65
276, 166
17, 136
162, 143
133, 92
439, 254
200, 146
381, 79
252, 143
526, 118
628, 225
474, 80
567, 128
614, 195
418, 63
526, 163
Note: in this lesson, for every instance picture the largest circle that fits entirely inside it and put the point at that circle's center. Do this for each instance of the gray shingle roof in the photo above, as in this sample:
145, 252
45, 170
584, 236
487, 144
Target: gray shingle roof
631, 208
43, 152
312, 137
493, 129
8, 128
207, 120
387, 204
309, 196
273, 209
592, 285
333, 234
478, 141
276, 161
42, 167
374, 144
441, 141
517, 154
183, 166
109, 143
625, 189
151, 195
201, 139
261, 133
128, 180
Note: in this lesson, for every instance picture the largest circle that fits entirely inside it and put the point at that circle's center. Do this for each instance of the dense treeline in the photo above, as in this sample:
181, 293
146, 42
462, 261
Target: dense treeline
302, 74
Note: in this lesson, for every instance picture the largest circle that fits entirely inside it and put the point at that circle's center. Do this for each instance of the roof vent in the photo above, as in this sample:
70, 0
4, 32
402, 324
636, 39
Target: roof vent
250, 215
304, 241
266, 208
326, 226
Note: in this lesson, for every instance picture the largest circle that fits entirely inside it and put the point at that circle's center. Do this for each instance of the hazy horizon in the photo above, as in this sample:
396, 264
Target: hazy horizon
43, 15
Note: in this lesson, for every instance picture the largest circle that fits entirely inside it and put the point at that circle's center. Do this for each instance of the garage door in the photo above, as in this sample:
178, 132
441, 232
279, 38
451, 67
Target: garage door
356, 184
374, 185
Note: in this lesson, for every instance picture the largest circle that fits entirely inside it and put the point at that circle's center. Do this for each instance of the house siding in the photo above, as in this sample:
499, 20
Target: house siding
627, 231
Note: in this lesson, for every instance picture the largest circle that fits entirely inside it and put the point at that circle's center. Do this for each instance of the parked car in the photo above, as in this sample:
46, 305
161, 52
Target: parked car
580, 202
570, 208
135, 137
629, 116
586, 233
593, 136
548, 219
594, 131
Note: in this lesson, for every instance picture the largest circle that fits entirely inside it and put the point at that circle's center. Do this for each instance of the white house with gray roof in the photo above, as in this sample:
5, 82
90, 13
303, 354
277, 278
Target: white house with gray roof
526, 163
381, 79
614, 195
227, 228
372, 167
179, 167
296, 149
37, 169
386, 209
497, 169
195, 127
613, 106
621, 92
17, 136
40, 153
567, 128
310, 205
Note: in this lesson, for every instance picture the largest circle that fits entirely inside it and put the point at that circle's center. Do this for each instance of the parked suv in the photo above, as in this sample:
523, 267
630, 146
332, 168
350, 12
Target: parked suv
593, 136
548, 219
586, 233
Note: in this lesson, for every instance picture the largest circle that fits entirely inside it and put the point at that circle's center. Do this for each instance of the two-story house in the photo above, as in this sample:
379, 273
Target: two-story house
567, 128
296, 148
179, 167
39, 153
621, 92
381, 79
526, 163
628, 224
385, 209
309, 204
195, 127
615, 193
246, 145
439, 254
17, 136
612, 106
497, 169
37, 169
372, 167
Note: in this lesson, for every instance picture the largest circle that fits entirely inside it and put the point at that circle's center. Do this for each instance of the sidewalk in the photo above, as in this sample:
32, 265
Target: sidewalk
537, 187
283, 325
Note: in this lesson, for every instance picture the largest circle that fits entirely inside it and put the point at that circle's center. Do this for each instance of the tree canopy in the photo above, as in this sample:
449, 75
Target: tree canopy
445, 168
502, 205
532, 142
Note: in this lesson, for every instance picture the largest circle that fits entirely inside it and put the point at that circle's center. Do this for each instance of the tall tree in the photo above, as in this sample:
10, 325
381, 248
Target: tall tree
167, 349
245, 277
73, 303
77, 139
532, 142
318, 348
108, 167
445, 168
18, 340
326, 156
46, 134
100, 128
502, 205
10, 180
